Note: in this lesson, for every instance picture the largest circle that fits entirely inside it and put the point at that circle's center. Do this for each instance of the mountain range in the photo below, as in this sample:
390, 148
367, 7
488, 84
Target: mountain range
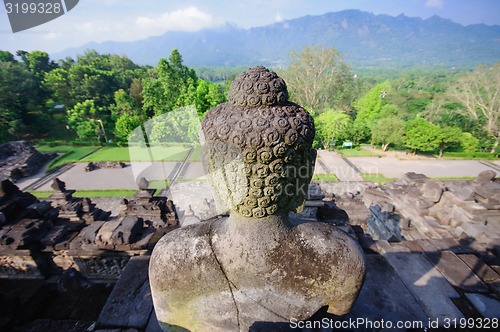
365, 40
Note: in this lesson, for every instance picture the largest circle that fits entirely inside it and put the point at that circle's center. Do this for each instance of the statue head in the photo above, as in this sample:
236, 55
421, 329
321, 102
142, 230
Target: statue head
258, 147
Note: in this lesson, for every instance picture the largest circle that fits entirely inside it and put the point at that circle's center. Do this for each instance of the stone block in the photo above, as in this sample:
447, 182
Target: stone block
129, 305
482, 233
54, 235
128, 230
431, 191
88, 234
480, 268
105, 234
487, 306
465, 191
375, 195
384, 295
431, 290
457, 272
19, 266
413, 179
485, 177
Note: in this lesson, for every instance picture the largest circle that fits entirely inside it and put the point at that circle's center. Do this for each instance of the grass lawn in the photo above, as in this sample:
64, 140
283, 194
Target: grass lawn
196, 155
357, 153
70, 154
158, 184
168, 153
325, 178
377, 178
88, 193
453, 178
40, 193
469, 156
105, 193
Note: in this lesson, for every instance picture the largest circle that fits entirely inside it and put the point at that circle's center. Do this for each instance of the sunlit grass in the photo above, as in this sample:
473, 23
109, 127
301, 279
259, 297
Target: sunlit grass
70, 154
41, 194
357, 153
167, 153
325, 178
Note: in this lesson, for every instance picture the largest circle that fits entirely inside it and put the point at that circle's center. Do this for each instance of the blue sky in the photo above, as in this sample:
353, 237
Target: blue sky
127, 20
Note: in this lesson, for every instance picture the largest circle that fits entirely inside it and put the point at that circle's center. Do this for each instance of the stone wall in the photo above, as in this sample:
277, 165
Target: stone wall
20, 159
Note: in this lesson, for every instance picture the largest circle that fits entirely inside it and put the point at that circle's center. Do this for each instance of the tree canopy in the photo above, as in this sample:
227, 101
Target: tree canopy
318, 77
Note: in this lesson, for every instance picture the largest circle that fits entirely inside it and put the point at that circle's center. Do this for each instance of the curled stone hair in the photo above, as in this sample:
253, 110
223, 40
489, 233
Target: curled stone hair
258, 147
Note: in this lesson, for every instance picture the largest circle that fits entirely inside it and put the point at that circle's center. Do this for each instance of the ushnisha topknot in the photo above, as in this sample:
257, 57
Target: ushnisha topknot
258, 86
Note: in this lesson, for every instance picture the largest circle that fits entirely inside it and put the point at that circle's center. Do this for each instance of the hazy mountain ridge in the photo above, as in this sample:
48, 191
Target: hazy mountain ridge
365, 40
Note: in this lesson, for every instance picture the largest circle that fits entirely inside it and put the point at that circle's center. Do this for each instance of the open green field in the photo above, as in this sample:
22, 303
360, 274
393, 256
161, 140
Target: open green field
70, 154
357, 153
167, 153
453, 178
41, 194
469, 156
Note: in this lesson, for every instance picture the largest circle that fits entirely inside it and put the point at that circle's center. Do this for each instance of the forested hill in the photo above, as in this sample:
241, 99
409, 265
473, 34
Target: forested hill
365, 40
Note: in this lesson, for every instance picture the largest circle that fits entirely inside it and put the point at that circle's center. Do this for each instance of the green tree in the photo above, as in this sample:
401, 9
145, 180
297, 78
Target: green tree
93, 76
332, 125
388, 130
359, 132
370, 105
16, 98
449, 137
127, 114
319, 77
179, 126
84, 119
125, 125
479, 93
469, 143
421, 135
6, 56
38, 63
208, 95
168, 86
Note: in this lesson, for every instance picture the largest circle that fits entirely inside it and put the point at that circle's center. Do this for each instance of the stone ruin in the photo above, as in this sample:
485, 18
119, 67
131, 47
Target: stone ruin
416, 207
257, 266
158, 211
39, 238
20, 159
104, 164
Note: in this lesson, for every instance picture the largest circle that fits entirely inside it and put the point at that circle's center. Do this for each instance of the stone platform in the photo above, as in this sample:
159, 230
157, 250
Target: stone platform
411, 281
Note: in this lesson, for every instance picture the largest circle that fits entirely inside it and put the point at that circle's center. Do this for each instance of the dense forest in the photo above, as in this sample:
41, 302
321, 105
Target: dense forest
103, 97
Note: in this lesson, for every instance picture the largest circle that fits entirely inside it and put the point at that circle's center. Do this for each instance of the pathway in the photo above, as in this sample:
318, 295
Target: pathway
332, 162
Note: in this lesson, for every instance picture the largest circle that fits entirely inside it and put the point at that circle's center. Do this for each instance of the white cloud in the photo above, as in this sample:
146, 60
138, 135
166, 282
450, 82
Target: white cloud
434, 3
186, 19
51, 35
279, 17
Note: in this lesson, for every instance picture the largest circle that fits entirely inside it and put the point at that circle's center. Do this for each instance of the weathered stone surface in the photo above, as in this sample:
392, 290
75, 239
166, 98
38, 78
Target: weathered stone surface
20, 159
129, 304
384, 225
432, 191
377, 298
487, 306
256, 265
427, 285
485, 177
481, 269
457, 272
104, 164
412, 178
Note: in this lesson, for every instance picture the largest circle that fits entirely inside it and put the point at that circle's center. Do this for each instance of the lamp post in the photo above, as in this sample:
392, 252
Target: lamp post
103, 130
